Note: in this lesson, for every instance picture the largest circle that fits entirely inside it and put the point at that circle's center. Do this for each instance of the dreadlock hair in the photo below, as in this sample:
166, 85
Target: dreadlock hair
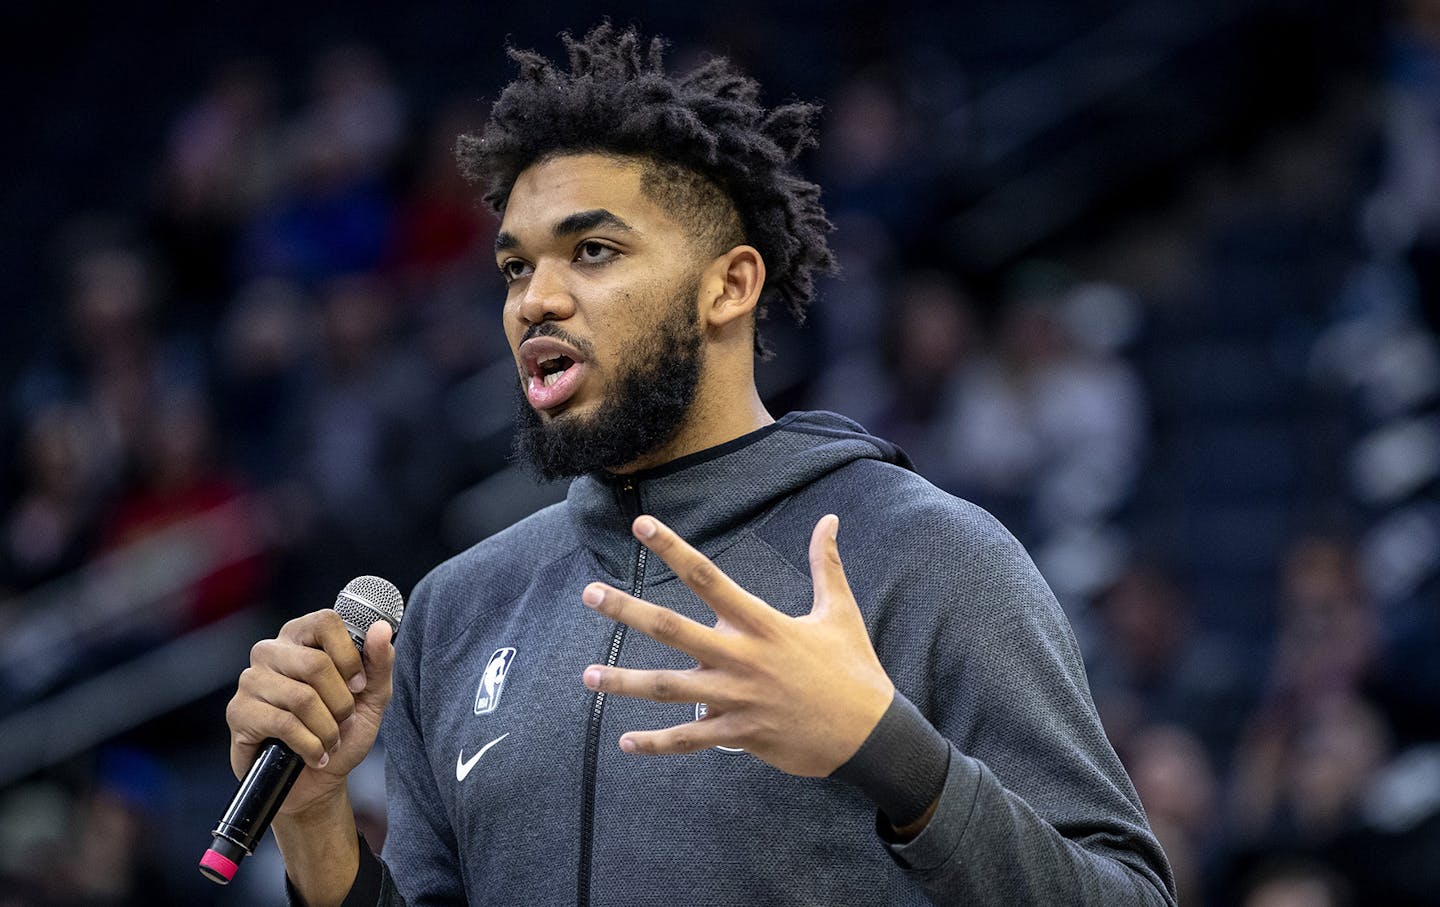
720, 162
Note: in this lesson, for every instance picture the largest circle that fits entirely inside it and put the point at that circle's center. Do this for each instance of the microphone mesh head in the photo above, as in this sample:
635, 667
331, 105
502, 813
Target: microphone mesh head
366, 599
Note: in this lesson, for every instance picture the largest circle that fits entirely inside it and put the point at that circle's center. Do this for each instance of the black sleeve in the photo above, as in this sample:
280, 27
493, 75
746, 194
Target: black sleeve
902, 765
368, 886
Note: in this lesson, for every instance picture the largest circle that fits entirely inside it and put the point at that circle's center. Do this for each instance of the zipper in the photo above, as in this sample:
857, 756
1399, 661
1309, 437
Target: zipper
631, 501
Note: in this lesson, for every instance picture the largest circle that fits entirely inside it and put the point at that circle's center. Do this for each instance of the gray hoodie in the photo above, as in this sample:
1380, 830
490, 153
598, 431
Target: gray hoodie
506, 784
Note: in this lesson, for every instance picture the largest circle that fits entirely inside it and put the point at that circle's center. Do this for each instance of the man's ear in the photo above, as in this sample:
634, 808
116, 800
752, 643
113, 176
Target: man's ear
731, 286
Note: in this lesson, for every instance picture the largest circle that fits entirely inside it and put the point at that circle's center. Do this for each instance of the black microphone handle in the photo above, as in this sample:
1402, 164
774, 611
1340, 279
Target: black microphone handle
251, 811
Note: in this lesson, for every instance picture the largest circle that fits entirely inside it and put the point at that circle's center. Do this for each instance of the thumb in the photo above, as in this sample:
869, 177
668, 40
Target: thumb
827, 573
379, 662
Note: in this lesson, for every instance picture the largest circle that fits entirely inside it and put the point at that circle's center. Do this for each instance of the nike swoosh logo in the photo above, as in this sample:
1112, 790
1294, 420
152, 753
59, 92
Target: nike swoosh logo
463, 765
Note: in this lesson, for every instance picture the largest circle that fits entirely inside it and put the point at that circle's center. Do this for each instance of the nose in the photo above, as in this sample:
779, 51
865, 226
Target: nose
546, 296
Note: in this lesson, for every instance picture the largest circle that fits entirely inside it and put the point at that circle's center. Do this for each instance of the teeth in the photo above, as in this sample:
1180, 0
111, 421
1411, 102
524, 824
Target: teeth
551, 378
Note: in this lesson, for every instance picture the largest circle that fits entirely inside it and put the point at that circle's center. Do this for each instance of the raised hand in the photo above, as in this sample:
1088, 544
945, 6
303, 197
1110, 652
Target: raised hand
800, 693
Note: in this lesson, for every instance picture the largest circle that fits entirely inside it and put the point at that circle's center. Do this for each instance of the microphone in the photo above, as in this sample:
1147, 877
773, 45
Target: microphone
364, 600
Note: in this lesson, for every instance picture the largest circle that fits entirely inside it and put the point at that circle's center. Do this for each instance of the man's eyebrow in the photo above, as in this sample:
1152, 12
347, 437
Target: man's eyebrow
579, 222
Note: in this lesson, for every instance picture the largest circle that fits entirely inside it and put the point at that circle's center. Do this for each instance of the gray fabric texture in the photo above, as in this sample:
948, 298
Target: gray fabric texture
1035, 808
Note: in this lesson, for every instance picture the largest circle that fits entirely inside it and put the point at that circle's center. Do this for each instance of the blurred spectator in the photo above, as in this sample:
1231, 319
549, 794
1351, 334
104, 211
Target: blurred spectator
50, 529
1301, 773
851, 325
266, 344
1315, 744
180, 482
356, 104
1048, 432
221, 164
113, 863
1296, 884
1152, 665
333, 215
441, 227
112, 357
1402, 218
871, 159
367, 444
1180, 793
1327, 639
35, 827
88, 850
933, 344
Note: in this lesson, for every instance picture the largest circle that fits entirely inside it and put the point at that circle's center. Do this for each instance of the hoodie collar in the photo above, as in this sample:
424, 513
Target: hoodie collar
709, 497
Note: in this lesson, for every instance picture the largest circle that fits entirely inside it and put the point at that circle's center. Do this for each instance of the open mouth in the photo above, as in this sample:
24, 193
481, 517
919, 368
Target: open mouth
551, 370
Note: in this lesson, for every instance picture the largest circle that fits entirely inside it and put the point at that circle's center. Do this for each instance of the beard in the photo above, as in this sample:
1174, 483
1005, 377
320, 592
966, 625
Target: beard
647, 403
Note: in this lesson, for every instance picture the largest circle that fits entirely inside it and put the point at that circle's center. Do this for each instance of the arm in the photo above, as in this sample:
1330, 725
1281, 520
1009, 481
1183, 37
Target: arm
420, 847
1035, 803
309, 688
808, 695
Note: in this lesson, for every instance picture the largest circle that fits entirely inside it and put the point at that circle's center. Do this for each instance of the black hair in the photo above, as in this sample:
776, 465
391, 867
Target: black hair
721, 162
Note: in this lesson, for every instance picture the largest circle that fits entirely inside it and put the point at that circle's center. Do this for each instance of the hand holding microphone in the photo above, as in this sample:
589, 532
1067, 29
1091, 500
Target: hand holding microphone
306, 712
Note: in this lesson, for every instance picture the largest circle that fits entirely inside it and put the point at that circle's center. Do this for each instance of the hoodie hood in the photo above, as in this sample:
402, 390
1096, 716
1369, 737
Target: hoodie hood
708, 496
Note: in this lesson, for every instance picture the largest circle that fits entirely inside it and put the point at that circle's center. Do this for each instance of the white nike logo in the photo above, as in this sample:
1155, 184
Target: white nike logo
463, 765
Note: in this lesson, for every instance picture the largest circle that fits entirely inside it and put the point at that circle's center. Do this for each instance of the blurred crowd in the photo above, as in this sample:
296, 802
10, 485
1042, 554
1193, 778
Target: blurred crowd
288, 369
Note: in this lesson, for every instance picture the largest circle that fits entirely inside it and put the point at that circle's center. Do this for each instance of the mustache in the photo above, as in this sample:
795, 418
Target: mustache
550, 329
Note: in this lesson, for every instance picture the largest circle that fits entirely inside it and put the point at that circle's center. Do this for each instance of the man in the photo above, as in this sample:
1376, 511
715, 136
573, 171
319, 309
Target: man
781, 729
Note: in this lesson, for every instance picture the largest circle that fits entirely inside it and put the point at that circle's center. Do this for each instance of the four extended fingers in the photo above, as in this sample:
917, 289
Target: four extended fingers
727, 599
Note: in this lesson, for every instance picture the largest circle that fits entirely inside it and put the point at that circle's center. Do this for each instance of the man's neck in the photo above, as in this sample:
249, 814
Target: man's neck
705, 428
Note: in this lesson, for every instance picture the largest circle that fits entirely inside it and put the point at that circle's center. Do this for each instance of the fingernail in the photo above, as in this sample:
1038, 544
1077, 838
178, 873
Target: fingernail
834, 527
592, 678
645, 527
357, 683
593, 595
324, 760
627, 744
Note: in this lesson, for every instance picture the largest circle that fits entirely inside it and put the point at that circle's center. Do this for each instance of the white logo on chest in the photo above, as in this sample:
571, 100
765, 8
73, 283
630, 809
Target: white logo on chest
492, 682
463, 765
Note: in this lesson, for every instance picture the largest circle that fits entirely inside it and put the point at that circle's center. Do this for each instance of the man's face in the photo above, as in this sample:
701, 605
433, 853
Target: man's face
601, 313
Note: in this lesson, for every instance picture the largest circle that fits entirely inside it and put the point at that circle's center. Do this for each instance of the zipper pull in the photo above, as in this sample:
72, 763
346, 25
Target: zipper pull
630, 497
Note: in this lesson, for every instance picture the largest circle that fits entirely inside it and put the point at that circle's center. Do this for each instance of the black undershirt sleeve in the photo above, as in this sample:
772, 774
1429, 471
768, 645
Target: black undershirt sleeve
902, 765
365, 891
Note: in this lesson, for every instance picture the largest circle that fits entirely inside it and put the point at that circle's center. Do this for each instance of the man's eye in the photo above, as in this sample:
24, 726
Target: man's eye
594, 252
513, 269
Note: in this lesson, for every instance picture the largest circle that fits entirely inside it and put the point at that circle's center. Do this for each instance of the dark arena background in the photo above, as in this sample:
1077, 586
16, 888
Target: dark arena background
1157, 282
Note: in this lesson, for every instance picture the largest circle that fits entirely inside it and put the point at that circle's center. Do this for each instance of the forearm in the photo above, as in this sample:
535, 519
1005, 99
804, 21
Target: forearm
320, 847
968, 840
985, 845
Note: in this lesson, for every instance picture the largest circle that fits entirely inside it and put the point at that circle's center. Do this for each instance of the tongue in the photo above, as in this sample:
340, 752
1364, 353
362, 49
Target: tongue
542, 397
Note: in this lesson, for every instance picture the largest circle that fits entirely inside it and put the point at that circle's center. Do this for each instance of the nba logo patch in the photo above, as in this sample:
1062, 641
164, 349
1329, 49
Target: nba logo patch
492, 682
702, 711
